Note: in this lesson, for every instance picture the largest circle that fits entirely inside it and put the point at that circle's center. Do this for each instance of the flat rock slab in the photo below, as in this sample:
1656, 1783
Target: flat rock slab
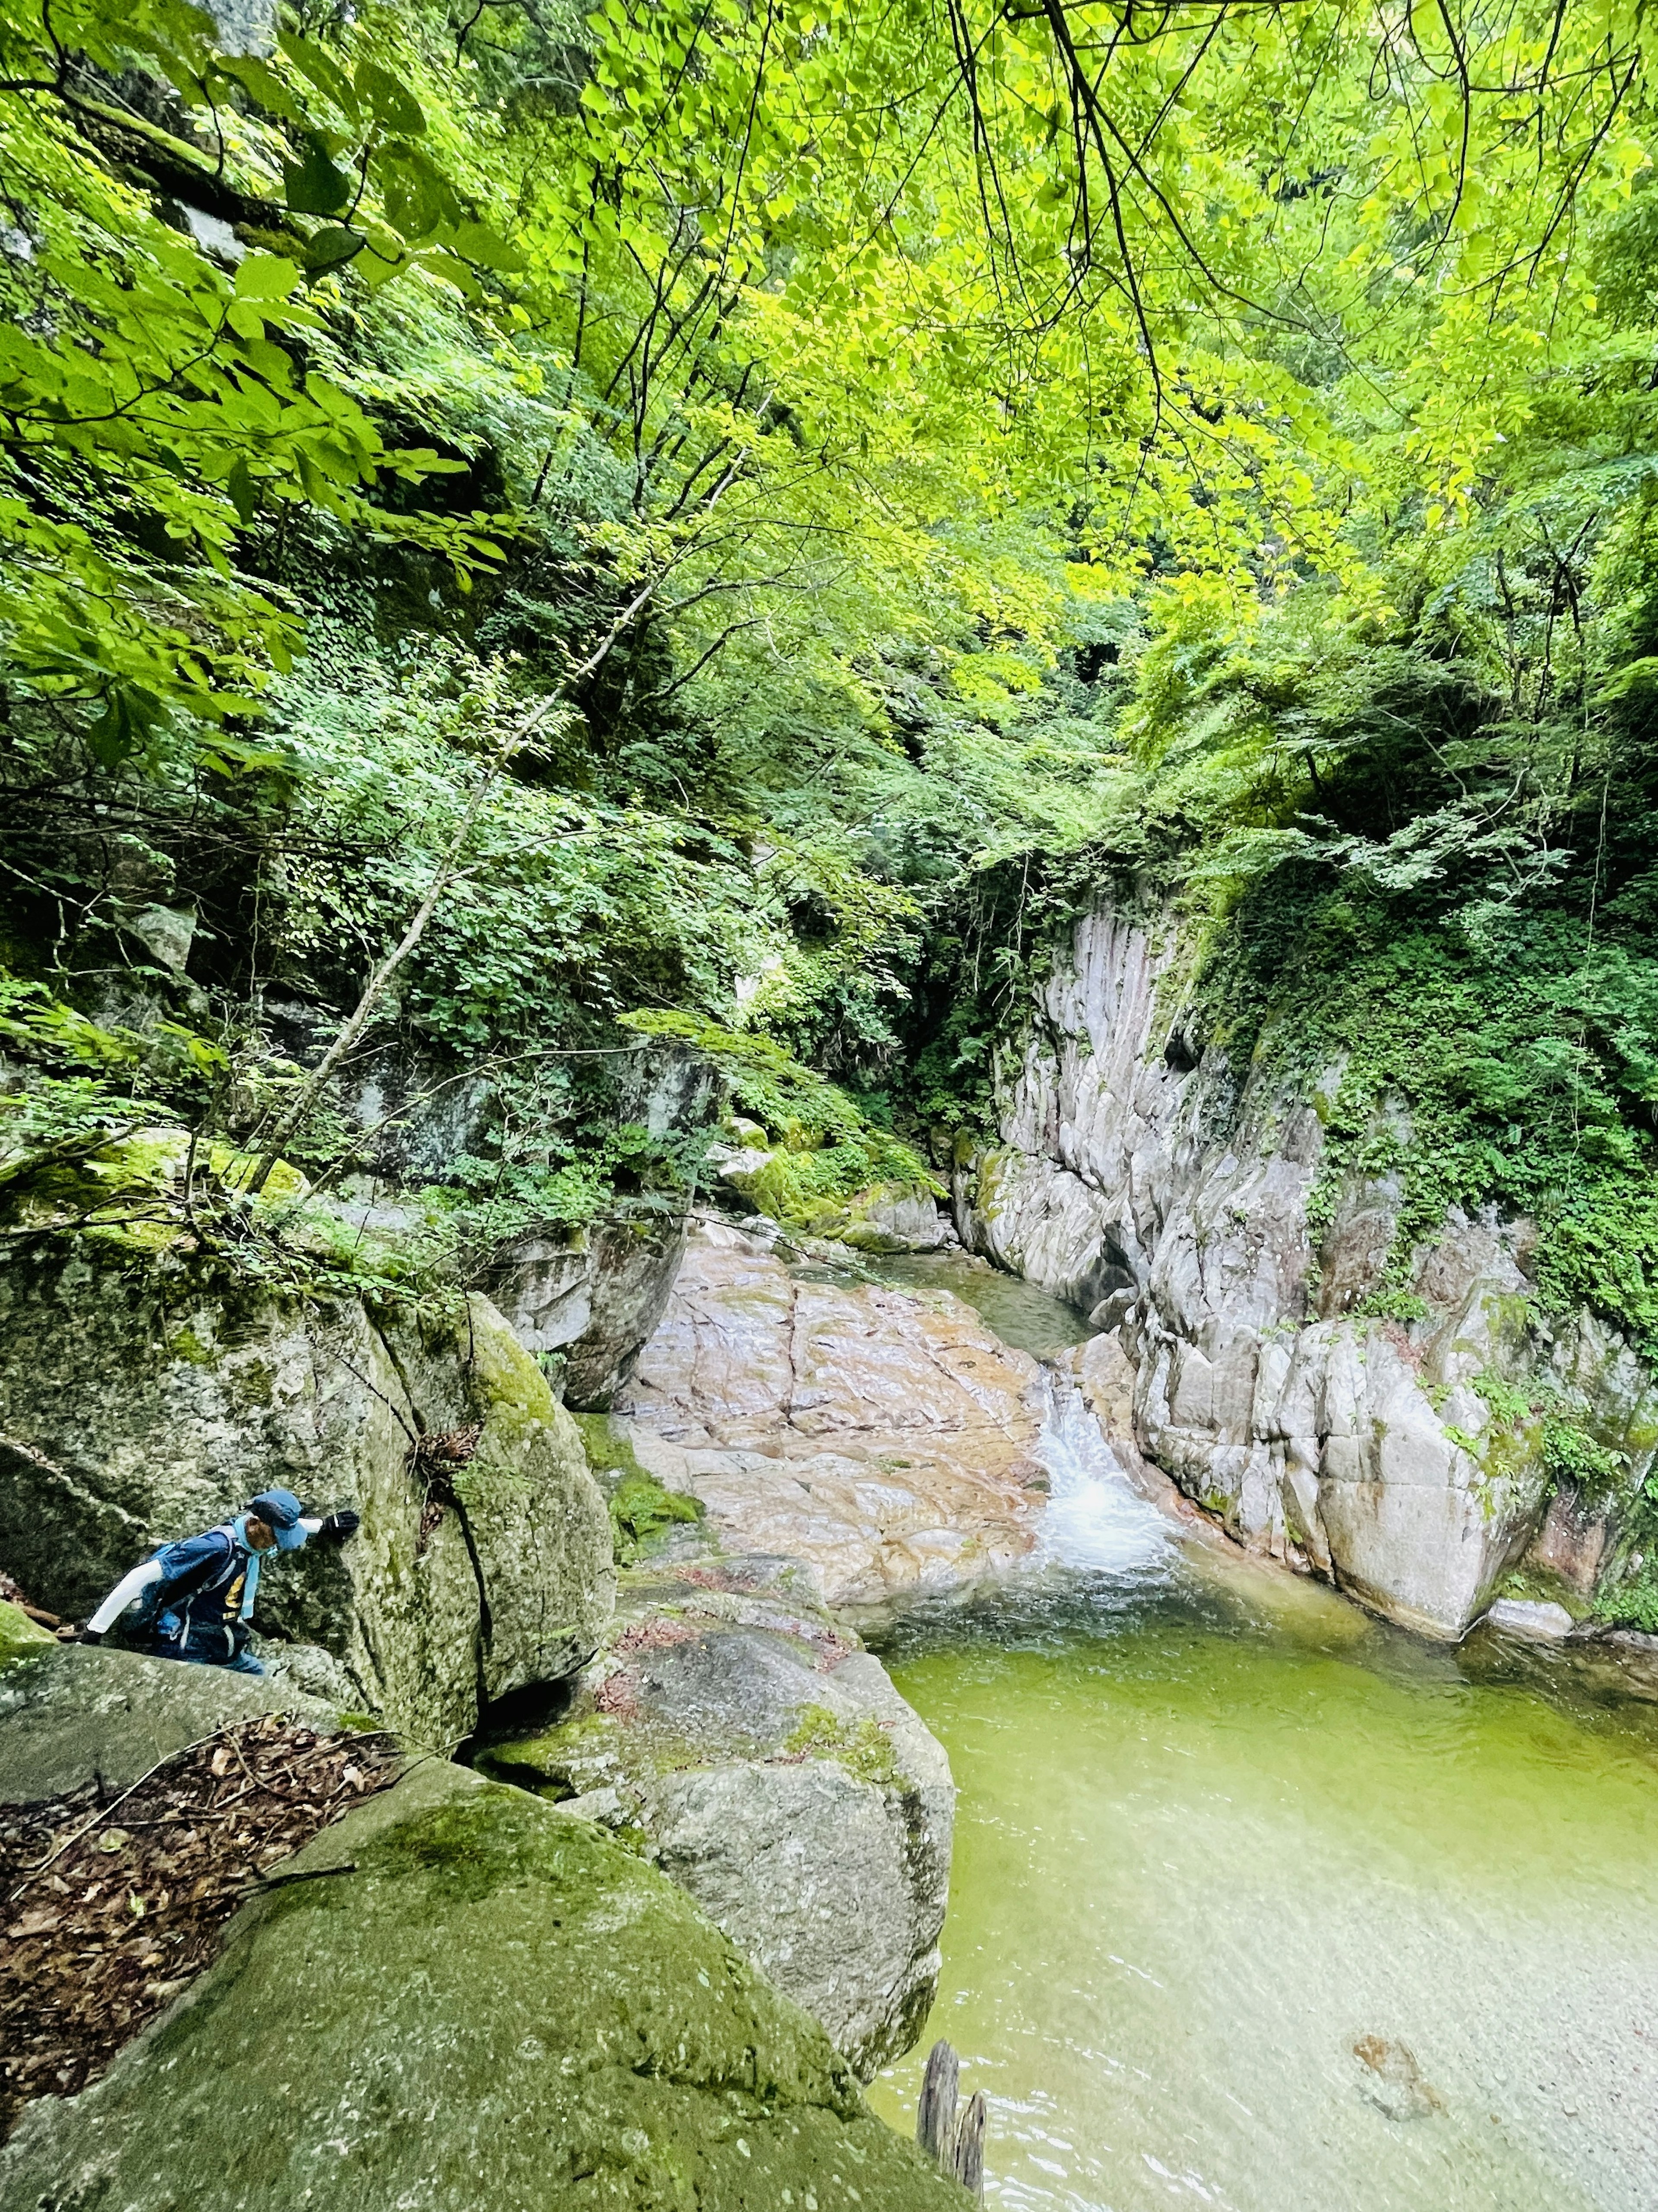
885, 1437
69, 1711
770, 1767
500, 2007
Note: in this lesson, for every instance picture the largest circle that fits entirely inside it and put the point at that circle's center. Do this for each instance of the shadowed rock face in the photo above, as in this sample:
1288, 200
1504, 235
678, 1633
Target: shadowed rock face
592, 1304
775, 1773
1140, 1178
136, 1406
499, 2006
884, 1438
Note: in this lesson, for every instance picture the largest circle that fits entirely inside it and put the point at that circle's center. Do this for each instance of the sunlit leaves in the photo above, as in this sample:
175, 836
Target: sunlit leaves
154, 395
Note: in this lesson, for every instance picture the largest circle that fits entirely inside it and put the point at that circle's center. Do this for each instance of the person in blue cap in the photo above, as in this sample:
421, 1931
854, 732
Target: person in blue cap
194, 1599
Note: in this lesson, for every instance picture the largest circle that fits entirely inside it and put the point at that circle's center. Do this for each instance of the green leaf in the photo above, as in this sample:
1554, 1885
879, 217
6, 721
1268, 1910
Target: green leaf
131, 717
395, 107
331, 249
261, 84
314, 185
315, 62
476, 242
266, 276
240, 485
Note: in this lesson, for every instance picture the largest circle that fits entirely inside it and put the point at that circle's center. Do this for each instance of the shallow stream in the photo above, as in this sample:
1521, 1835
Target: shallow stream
1258, 1904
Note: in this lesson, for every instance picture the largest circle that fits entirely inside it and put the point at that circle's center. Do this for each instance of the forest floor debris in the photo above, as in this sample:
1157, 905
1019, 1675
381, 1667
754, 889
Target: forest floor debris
110, 1905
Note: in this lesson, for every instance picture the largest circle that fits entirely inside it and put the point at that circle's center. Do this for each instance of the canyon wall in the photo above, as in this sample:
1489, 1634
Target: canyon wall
1165, 1192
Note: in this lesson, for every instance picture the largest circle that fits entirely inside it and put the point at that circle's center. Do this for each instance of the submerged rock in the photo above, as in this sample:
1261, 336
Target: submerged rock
496, 2007
776, 1774
885, 1438
1392, 2081
1144, 1179
139, 1404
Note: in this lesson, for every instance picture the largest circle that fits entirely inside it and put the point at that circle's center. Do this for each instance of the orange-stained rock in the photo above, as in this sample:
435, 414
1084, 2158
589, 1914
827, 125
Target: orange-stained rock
883, 1437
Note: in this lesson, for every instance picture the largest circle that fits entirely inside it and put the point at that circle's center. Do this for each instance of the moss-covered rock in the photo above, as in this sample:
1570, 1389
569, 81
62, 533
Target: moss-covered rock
641, 1511
20, 1637
499, 2010
733, 1733
141, 1402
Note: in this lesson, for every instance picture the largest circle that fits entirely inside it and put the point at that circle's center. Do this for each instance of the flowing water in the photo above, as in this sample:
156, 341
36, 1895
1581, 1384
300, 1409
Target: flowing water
1258, 1904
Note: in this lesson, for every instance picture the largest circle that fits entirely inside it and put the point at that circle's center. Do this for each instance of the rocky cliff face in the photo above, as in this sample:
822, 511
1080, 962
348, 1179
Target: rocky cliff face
583, 1300
1145, 1180
139, 1404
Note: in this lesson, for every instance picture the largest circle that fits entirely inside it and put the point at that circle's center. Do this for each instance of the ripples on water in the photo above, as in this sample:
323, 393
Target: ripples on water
1261, 1904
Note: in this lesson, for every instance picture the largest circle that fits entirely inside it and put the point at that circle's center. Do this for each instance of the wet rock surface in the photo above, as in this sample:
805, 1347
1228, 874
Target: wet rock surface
767, 1766
499, 2005
884, 1438
1143, 1179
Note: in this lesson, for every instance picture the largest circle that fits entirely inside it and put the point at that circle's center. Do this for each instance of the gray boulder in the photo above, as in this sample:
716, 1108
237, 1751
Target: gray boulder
1529, 1617
590, 1302
773, 1771
497, 2006
138, 1403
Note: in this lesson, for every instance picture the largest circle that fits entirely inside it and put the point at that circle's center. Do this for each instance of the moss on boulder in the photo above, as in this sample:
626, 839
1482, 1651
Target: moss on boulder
20, 1637
139, 1403
733, 1733
499, 2010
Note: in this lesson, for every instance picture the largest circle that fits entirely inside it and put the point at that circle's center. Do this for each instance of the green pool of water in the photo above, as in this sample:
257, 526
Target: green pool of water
1024, 1318
1259, 1904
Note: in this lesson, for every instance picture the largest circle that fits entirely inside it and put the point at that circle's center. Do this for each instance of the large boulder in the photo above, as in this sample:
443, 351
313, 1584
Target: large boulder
143, 1402
492, 2005
885, 1438
774, 1772
583, 1302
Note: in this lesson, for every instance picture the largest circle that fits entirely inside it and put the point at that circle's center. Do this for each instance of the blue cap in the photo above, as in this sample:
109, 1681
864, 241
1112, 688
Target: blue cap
281, 1510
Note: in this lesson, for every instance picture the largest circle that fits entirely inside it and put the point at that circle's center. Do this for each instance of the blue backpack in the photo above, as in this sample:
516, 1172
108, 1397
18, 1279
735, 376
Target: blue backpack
205, 1598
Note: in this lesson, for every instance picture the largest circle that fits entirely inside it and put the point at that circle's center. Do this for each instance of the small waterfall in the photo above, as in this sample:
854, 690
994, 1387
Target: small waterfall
1095, 1521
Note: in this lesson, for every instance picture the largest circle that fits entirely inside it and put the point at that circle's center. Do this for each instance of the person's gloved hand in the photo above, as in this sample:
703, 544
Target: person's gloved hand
83, 1636
339, 1526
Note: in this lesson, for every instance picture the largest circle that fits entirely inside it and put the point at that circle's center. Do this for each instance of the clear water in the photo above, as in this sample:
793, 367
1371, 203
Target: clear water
1026, 1318
1220, 1835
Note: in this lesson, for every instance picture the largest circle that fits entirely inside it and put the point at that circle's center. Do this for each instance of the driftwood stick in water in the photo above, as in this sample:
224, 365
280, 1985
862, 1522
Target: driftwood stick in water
935, 2115
969, 2160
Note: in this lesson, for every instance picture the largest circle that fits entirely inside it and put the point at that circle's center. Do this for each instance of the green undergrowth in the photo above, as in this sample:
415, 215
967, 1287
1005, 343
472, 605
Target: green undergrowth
1474, 1068
641, 1509
865, 1751
20, 1637
1628, 1595
824, 1148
